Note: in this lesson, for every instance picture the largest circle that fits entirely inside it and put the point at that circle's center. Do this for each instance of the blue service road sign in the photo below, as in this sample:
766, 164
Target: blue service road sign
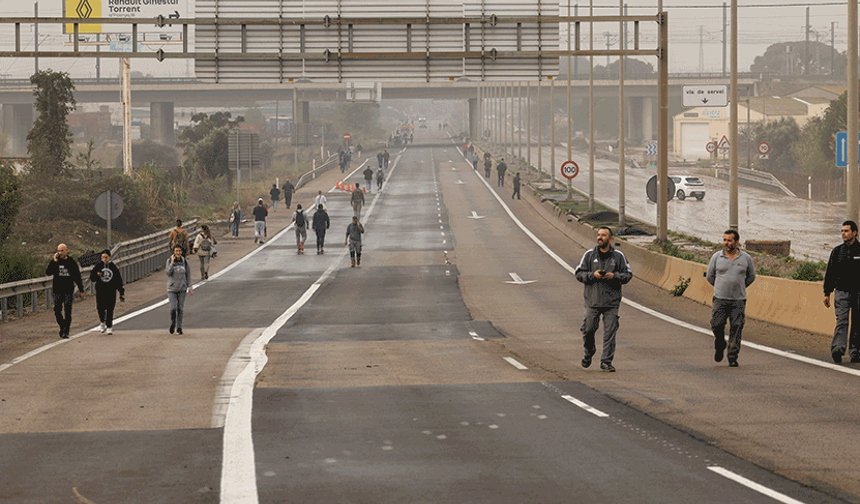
842, 148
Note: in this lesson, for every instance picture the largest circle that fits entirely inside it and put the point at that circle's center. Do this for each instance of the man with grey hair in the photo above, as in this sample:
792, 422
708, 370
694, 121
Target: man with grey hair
730, 271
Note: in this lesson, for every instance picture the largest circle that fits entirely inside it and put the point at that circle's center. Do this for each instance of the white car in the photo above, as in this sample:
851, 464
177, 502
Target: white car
688, 186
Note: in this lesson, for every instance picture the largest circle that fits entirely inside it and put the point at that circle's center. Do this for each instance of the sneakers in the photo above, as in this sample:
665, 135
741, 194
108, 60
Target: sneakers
733, 363
261, 242
352, 264
586, 361
718, 352
607, 367
178, 330
172, 328
358, 261
64, 334
837, 356
110, 330
302, 247
102, 327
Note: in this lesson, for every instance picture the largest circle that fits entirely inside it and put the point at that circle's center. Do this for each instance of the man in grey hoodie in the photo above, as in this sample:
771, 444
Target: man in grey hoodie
178, 282
603, 270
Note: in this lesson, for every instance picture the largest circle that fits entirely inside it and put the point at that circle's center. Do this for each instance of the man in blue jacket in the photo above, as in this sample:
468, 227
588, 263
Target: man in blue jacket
603, 270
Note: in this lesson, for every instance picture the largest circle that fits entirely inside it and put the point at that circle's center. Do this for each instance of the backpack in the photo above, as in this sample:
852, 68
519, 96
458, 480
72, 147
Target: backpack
300, 219
206, 245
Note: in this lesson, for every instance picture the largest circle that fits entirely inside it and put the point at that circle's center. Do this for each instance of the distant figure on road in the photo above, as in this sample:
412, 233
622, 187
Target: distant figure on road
381, 159
178, 238
320, 199
516, 183
66, 275
843, 279
474, 160
386, 158
108, 281
275, 194
289, 189
730, 271
368, 177
603, 270
501, 168
178, 282
302, 224
321, 223
260, 214
203, 246
380, 178
357, 201
488, 164
353, 238
236, 219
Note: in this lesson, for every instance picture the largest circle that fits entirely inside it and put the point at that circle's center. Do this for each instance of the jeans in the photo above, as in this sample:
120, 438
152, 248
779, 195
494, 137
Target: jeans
320, 239
356, 210
367, 184
204, 266
733, 311
177, 304
610, 327
847, 307
63, 302
275, 205
234, 227
301, 236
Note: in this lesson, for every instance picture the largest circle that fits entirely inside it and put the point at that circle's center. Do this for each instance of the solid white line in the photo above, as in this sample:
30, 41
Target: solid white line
662, 316
513, 362
592, 410
773, 494
475, 336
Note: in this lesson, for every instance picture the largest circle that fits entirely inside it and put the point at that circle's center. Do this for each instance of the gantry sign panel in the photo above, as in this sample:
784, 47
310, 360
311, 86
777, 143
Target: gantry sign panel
377, 40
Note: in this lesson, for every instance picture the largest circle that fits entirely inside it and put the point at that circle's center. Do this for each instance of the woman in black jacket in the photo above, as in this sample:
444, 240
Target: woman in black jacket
108, 280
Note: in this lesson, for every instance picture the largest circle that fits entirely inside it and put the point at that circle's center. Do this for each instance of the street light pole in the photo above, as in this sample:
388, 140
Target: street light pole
853, 188
733, 124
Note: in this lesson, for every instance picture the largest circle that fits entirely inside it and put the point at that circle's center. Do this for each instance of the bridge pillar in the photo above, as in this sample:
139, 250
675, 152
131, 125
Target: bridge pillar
474, 112
17, 123
161, 123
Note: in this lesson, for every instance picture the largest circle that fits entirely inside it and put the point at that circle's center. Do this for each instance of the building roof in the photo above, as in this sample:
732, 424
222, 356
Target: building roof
775, 106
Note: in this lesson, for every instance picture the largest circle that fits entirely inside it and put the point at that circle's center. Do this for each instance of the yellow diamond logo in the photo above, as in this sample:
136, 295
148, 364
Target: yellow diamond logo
84, 9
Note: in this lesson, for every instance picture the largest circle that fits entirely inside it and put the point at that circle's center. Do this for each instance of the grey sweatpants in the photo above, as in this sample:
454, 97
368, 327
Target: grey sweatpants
610, 327
847, 307
177, 305
732, 310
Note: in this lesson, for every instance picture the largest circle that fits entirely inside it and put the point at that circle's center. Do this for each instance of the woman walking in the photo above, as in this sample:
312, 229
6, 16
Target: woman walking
236, 219
203, 246
108, 280
178, 282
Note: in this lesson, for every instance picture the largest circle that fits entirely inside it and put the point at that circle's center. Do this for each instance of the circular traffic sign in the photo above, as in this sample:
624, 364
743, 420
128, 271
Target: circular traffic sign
347, 136
569, 169
763, 148
711, 147
651, 189
103, 206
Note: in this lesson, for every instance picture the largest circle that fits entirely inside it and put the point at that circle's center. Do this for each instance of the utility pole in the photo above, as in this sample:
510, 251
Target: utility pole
701, 49
853, 186
622, 212
806, 45
832, 47
733, 125
724, 39
591, 110
608, 46
36, 38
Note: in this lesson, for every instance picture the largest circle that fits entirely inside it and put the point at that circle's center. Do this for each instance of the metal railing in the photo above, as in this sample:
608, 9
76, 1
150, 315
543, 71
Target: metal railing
135, 259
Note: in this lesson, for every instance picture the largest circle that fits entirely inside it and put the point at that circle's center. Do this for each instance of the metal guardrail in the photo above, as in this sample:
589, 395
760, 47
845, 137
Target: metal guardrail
135, 259
754, 178
306, 177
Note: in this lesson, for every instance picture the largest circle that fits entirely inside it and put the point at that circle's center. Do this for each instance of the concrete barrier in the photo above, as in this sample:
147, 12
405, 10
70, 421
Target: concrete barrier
789, 303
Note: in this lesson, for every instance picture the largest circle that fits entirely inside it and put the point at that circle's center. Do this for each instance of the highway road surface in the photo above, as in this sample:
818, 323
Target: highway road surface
444, 369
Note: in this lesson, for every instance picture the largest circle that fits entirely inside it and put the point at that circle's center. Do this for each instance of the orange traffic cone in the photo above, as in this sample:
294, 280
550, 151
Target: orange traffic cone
364, 190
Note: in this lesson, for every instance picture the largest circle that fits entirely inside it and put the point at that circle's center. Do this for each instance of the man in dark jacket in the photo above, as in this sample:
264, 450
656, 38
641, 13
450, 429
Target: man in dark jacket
66, 275
289, 189
843, 279
501, 168
368, 177
516, 182
108, 281
603, 270
275, 194
320, 224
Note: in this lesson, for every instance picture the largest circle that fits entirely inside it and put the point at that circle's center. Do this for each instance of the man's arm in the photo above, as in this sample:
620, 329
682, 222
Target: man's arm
750, 272
583, 270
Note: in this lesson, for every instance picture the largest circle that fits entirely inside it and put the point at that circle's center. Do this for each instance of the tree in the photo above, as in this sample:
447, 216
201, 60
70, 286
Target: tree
809, 154
50, 141
787, 58
10, 199
154, 153
632, 66
781, 135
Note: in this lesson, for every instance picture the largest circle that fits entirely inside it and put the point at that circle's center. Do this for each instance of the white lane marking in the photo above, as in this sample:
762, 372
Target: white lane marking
586, 407
475, 215
238, 466
773, 494
460, 182
513, 362
662, 316
475, 336
518, 281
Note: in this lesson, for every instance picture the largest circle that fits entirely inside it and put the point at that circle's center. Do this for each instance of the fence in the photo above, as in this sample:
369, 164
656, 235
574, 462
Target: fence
135, 259
821, 189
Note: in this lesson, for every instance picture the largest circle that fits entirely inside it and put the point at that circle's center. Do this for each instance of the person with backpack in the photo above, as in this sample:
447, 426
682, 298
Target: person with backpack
321, 222
108, 280
302, 225
488, 164
380, 178
178, 283
178, 238
204, 247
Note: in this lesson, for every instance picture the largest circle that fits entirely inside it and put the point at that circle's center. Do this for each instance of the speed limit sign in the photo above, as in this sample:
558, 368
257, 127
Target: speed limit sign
763, 148
711, 147
569, 169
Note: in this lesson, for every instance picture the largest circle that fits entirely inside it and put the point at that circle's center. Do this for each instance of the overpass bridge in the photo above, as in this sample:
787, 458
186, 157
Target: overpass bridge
16, 97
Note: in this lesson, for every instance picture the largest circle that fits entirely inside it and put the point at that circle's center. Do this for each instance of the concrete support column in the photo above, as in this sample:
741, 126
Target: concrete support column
647, 111
474, 114
161, 123
17, 123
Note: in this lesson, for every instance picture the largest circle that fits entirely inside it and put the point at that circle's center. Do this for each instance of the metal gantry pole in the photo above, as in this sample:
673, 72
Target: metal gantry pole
733, 122
853, 186
126, 115
663, 135
591, 110
569, 115
511, 101
520, 119
505, 116
529, 122
552, 134
540, 130
622, 217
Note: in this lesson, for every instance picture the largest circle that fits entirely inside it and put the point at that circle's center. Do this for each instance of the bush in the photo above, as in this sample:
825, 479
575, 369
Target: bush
807, 271
17, 265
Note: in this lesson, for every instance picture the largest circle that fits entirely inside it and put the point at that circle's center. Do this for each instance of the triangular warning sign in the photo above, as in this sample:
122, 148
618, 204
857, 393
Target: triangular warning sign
724, 143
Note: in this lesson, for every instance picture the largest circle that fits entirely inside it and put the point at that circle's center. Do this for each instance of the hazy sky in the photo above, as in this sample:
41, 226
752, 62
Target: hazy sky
760, 23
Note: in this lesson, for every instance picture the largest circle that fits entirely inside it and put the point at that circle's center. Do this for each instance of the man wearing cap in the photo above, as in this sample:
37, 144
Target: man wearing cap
260, 213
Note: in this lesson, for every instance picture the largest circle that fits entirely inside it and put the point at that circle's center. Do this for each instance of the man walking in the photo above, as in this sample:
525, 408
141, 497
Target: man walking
66, 275
353, 238
380, 158
357, 201
386, 158
302, 225
730, 271
260, 213
843, 280
516, 182
488, 164
275, 194
603, 270
178, 237
501, 168
368, 177
289, 189
321, 223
